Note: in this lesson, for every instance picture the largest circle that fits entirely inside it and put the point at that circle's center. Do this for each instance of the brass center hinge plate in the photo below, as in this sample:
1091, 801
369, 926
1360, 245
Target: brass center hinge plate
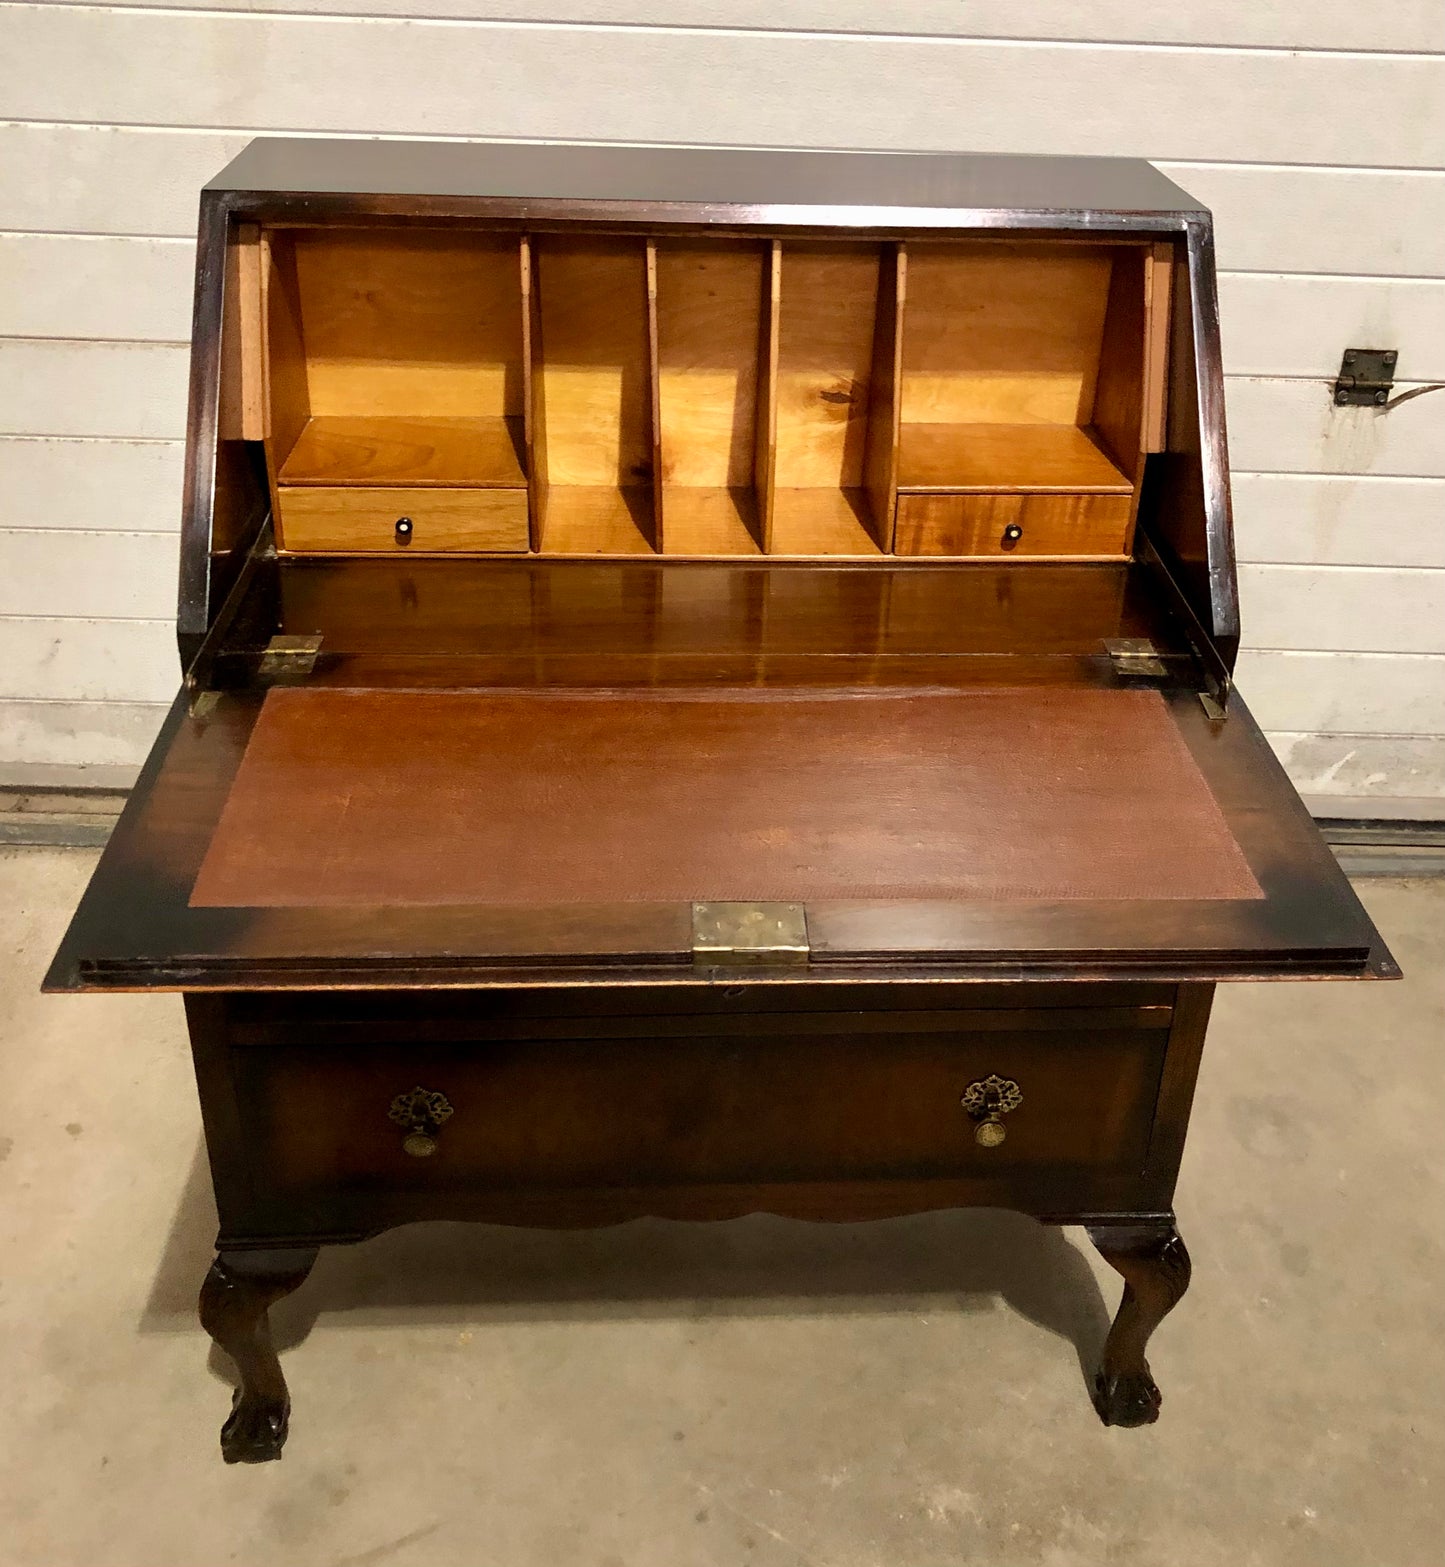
289, 658
1134, 656
752, 933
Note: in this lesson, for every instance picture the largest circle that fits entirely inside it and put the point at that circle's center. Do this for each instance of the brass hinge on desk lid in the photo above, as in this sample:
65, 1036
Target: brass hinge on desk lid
289, 657
1134, 656
753, 933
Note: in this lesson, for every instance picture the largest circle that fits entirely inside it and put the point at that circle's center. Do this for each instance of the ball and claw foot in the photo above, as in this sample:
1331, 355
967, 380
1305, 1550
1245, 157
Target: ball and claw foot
237, 1293
1155, 1268
1127, 1399
255, 1431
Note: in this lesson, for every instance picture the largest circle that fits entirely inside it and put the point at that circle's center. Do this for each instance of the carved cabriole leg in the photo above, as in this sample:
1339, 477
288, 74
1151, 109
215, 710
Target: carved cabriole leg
1155, 1267
237, 1293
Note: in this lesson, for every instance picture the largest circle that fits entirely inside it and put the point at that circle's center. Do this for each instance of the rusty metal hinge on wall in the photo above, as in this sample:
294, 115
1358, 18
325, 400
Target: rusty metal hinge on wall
753, 933
1366, 377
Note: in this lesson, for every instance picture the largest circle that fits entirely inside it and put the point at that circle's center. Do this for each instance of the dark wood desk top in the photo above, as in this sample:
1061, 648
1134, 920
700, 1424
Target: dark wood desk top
780, 187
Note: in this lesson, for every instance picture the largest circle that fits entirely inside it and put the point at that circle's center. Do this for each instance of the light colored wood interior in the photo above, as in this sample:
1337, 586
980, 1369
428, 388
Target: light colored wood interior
701, 396
243, 352
712, 302
1003, 333
826, 342
1158, 308
410, 347
598, 519
1016, 526
1004, 457
820, 521
711, 522
595, 373
352, 449
594, 358
321, 519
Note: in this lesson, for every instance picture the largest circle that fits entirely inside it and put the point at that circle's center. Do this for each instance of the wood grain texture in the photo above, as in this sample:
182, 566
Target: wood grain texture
595, 361
1052, 525
410, 325
993, 457
1002, 332
710, 299
598, 519
825, 359
396, 450
316, 518
853, 1104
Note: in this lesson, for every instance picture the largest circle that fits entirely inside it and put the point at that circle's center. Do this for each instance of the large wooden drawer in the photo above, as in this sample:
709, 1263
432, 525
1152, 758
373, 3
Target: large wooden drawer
835, 1097
1021, 524
362, 520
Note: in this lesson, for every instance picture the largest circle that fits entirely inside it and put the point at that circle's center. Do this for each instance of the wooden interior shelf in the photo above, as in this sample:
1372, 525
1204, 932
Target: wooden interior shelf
994, 457
389, 449
707, 397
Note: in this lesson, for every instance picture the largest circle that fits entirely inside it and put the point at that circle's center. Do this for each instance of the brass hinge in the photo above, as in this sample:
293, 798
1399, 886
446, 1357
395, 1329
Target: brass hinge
1134, 656
289, 657
749, 933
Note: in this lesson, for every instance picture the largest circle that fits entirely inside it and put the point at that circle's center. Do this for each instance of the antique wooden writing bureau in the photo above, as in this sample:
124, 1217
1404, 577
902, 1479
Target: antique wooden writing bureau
707, 689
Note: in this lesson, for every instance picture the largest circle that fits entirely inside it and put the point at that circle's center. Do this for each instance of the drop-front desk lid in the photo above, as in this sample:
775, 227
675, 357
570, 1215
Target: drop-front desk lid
980, 817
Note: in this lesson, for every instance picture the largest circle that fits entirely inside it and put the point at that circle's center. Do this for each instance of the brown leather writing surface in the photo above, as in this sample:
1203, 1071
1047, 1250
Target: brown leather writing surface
409, 797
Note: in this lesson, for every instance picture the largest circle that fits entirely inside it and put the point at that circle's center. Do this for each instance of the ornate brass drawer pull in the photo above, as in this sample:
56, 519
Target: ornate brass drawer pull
420, 1114
988, 1101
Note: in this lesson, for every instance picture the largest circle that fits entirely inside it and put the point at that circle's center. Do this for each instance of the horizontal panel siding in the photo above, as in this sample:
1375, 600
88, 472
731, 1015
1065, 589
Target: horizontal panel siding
122, 576
107, 179
1365, 766
131, 486
1339, 521
83, 286
1362, 221
107, 739
632, 84
1415, 25
1360, 693
91, 660
1274, 324
1279, 426
1343, 609
132, 390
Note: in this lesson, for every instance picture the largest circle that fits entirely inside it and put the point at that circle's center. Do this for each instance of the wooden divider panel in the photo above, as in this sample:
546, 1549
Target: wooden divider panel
595, 372
713, 304
825, 361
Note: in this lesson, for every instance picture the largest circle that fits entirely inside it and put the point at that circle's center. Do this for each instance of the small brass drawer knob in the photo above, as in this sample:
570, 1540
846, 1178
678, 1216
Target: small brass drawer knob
420, 1114
987, 1101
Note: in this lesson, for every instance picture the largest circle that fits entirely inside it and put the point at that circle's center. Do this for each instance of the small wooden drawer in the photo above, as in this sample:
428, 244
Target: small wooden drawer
866, 1097
1012, 524
338, 520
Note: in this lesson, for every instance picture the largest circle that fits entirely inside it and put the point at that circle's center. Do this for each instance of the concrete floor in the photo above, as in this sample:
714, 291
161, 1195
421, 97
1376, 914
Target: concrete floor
755, 1394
